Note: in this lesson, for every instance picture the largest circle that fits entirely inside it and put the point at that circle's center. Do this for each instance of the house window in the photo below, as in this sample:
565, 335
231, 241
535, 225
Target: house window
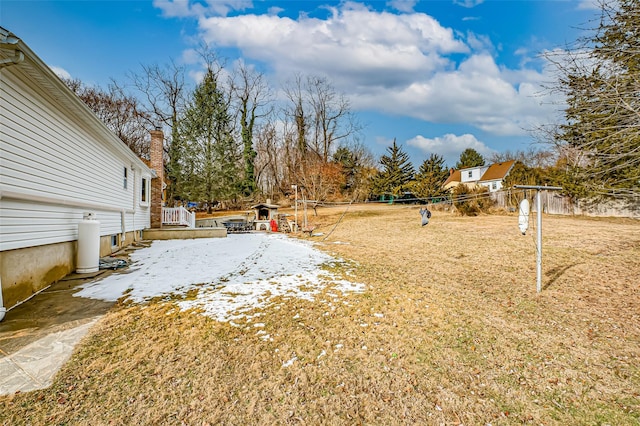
494, 185
114, 241
144, 194
125, 176
470, 173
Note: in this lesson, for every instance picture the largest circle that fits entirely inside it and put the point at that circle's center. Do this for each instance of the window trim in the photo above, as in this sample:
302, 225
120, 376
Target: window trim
145, 190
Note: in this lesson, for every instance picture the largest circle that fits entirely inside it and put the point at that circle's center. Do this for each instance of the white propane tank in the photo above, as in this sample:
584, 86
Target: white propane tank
88, 244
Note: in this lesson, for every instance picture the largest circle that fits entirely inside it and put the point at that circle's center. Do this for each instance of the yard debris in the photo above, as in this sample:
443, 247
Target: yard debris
112, 263
426, 215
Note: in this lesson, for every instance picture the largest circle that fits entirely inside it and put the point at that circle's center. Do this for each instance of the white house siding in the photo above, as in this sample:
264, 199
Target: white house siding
489, 185
476, 174
56, 163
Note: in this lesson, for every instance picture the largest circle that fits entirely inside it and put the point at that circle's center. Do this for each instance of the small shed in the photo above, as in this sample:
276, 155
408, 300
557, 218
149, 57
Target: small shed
265, 214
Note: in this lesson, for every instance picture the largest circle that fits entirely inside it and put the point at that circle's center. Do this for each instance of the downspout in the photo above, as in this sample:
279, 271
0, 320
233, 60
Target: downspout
3, 310
123, 226
133, 204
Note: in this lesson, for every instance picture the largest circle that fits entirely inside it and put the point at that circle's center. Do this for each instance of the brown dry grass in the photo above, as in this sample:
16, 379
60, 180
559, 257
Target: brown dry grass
449, 331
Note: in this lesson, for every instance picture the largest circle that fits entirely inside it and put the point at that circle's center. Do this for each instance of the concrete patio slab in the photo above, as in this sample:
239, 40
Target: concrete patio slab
38, 336
34, 366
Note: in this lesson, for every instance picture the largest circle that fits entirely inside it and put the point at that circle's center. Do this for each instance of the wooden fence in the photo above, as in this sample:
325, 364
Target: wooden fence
554, 203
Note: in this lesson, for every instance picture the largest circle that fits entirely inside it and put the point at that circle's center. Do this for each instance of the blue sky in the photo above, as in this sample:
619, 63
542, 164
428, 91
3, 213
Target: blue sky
439, 76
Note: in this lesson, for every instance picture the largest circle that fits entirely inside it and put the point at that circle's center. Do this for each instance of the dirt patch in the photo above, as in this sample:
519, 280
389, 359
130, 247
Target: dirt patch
450, 330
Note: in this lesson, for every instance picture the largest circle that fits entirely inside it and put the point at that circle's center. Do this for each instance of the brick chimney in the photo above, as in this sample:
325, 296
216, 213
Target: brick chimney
156, 156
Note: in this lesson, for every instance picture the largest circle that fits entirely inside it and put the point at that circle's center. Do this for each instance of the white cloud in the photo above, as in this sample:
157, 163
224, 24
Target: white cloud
401, 64
498, 101
589, 5
354, 45
449, 146
61, 72
402, 5
468, 3
190, 56
275, 10
186, 8
479, 42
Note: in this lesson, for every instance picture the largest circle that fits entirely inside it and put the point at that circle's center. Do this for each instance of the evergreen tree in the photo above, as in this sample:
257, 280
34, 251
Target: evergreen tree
396, 174
521, 174
430, 177
600, 80
348, 163
212, 166
470, 158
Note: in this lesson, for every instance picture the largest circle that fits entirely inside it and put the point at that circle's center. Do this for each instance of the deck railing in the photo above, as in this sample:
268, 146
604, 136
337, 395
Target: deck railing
178, 216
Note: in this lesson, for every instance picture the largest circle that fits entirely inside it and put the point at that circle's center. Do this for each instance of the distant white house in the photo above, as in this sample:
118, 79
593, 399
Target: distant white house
57, 161
491, 176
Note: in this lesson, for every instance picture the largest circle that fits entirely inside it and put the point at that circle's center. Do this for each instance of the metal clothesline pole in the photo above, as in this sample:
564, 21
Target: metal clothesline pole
538, 189
295, 187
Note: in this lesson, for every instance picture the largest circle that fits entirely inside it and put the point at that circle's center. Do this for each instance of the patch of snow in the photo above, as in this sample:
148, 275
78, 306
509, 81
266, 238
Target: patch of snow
233, 275
290, 362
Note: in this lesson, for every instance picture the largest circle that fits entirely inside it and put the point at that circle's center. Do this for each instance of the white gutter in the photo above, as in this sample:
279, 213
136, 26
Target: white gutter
9, 41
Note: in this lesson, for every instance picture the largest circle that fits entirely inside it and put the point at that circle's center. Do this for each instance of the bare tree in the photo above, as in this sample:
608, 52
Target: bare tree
165, 91
297, 113
122, 113
268, 167
333, 120
538, 158
316, 121
253, 96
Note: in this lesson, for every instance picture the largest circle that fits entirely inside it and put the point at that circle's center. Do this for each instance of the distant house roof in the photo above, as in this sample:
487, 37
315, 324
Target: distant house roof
454, 176
265, 205
497, 171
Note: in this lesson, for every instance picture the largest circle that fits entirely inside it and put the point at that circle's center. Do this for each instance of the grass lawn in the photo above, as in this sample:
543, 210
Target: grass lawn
450, 330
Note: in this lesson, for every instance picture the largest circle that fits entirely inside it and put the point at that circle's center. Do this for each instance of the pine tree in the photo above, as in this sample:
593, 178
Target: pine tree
212, 166
430, 177
396, 174
470, 158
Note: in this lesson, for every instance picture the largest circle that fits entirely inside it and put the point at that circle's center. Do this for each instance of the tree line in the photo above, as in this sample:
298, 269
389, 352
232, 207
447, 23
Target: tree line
233, 139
